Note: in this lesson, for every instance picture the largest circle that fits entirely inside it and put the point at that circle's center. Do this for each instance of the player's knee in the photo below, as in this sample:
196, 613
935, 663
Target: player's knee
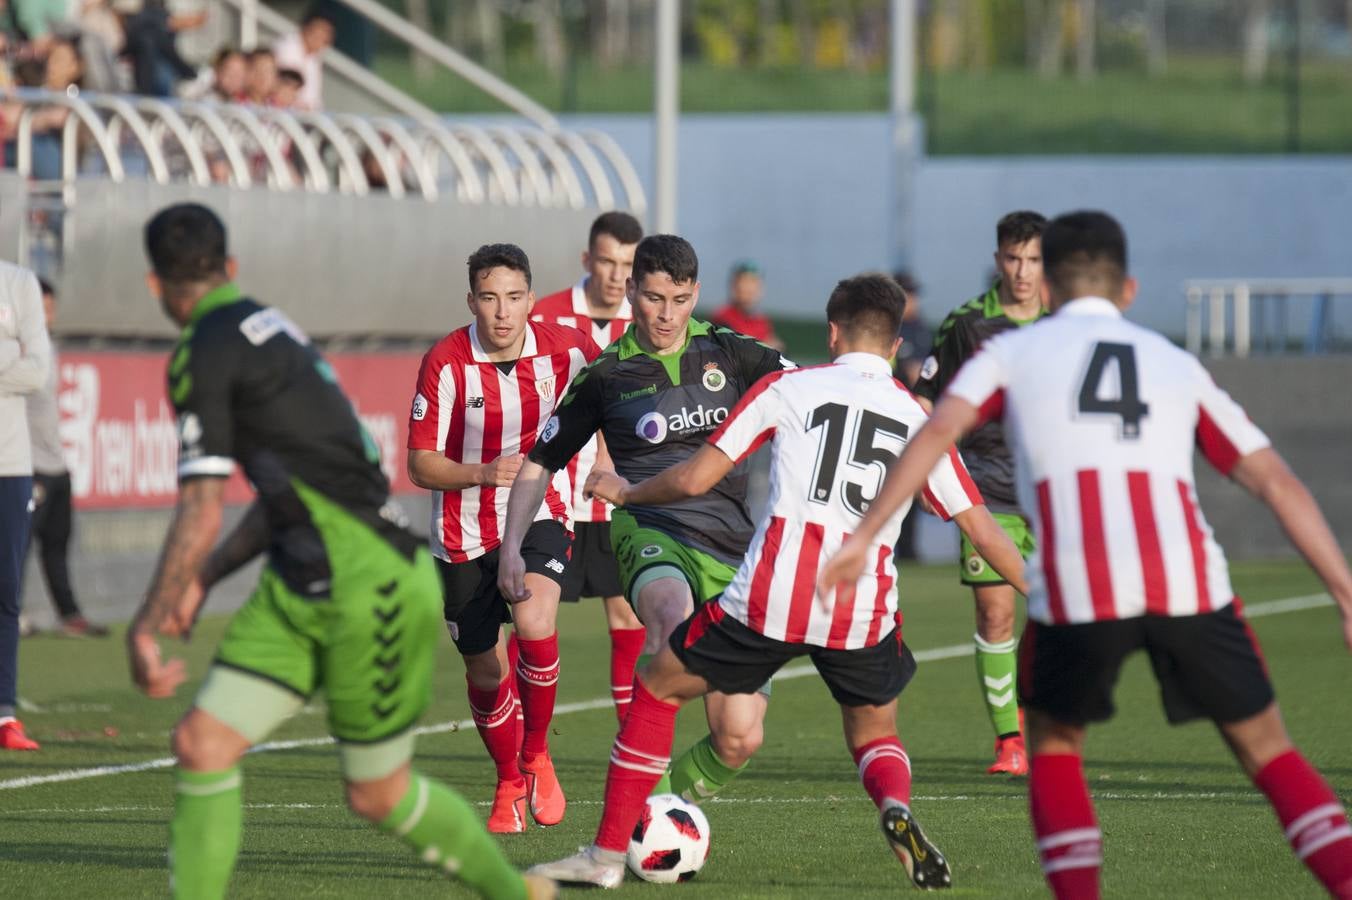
196, 749
735, 747
995, 621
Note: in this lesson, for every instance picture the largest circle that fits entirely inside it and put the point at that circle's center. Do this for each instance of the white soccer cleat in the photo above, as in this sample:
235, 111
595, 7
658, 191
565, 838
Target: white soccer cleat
582, 868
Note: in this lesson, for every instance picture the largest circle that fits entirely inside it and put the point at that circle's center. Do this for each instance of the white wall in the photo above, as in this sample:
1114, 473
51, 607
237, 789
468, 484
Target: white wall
808, 197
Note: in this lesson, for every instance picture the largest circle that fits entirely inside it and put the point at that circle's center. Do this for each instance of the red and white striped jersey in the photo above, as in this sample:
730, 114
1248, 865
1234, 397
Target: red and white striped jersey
569, 308
469, 409
1103, 417
835, 429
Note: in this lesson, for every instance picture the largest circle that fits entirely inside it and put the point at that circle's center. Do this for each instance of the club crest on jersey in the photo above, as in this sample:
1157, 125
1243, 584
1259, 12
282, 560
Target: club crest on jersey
189, 430
652, 427
545, 388
551, 428
929, 368
650, 551
419, 407
714, 379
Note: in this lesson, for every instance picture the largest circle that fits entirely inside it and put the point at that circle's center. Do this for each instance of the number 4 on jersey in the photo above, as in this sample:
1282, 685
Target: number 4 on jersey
1127, 405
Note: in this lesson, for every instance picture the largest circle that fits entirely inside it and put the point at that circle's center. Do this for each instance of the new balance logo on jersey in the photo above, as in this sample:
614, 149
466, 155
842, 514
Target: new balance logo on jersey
474, 403
654, 427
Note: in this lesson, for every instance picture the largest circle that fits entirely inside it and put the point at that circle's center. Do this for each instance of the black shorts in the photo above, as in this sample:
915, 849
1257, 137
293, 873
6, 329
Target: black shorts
474, 608
592, 570
735, 659
1208, 666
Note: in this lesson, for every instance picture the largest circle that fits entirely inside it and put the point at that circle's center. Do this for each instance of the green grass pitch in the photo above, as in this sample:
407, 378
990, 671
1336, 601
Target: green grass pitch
1179, 819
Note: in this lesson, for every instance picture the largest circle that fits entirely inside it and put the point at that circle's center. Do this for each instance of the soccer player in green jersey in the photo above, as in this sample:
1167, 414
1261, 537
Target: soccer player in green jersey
1014, 300
655, 395
348, 603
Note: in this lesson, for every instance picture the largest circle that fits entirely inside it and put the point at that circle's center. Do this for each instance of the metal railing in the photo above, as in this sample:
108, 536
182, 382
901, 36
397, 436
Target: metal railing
253, 14
243, 146
1254, 315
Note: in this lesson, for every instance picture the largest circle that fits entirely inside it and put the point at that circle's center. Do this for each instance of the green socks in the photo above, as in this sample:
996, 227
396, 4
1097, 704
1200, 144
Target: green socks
204, 833
995, 667
697, 774
446, 833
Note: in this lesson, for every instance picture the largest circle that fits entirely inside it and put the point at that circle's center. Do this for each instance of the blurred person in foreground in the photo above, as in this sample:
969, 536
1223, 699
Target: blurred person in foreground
1105, 417
347, 603
25, 360
746, 287
917, 339
52, 513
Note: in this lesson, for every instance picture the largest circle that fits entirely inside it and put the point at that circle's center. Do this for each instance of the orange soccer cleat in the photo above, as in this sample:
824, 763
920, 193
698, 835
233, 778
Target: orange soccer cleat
12, 737
1010, 757
547, 802
508, 815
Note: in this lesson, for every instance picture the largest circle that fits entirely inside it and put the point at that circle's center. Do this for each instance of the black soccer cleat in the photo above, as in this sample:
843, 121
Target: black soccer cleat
923, 861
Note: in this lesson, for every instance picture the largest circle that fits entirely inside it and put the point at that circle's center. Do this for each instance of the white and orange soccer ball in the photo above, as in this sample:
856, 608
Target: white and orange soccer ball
670, 841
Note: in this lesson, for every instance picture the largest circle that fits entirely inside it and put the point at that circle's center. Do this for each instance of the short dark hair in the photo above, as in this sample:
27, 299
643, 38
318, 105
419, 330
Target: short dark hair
906, 278
666, 253
619, 225
46, 288
1019, 227
186, 242
259, 53
495, 256
319, 12
225, 53
292, 75
1084, 246
869, 305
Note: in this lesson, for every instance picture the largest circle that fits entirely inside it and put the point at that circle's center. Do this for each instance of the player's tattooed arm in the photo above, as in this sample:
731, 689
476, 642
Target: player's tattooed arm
176, 592
248, 539
193, 531
528, 492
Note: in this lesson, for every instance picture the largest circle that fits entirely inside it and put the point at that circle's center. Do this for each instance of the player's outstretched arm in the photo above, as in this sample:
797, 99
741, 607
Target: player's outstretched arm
175, 593
248, 539
528, 492
993, 544
435, 471
689, 478
1265, 475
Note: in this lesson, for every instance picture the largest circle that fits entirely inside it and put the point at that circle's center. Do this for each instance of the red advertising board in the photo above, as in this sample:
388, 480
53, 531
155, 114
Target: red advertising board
121, 437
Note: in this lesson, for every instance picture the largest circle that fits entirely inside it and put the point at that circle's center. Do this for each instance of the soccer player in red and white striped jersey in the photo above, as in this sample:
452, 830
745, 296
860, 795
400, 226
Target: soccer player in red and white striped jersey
598, 306
483, 393
832, 429
1125, 560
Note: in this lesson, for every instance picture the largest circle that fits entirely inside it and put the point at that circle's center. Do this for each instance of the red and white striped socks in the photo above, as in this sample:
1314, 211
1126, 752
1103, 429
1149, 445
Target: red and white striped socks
1068, 837
626, 645
885, 770
537, 683
1315, 822
494, 714
638, 759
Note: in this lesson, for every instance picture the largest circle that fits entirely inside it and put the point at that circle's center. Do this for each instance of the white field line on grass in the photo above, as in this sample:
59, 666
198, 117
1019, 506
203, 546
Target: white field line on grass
954, 651
1020, 796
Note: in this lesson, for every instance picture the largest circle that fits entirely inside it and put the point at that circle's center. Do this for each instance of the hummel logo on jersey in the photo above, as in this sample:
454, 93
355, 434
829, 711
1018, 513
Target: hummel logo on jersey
474, 403
653, 427
555, 565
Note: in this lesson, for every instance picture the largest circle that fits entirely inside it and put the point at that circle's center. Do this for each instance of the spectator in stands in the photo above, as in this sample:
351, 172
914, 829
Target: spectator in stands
101, 43
41, 20
745, 288
262, 79
60, 72
303, 51
52, 495
157, 67
230, 76
289, 85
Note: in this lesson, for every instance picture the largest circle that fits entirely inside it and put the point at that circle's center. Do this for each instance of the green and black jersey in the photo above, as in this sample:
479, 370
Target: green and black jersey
959, 337
248, 386
655, 411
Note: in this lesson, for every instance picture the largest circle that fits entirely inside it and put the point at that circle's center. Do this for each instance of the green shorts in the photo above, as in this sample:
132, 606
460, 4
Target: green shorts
639, 550
370, 645
975, 571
